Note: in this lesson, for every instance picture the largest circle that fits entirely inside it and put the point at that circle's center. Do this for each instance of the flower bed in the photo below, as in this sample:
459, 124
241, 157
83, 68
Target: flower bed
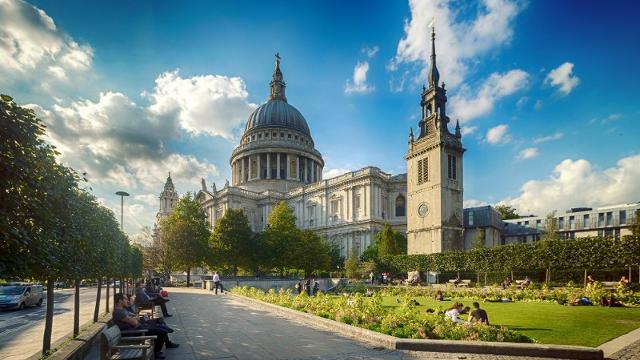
404, 321
562, 295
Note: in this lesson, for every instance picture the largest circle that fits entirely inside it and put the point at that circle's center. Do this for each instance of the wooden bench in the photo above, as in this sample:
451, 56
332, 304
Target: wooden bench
462, 283
145, 306
113, 345
609, 285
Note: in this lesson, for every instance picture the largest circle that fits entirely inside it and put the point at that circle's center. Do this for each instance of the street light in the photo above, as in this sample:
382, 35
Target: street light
122, 194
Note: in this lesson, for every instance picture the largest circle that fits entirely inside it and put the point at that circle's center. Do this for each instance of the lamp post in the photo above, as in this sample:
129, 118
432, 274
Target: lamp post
122, 194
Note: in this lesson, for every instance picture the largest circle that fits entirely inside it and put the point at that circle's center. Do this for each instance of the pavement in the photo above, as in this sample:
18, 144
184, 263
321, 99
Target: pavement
211, 326
21, 330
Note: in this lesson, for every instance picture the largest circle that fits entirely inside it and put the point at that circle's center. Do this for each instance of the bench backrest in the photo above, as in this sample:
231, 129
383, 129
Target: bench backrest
112, 336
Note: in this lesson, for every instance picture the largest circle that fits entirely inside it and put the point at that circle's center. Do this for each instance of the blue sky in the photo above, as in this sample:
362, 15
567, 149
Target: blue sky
546, 91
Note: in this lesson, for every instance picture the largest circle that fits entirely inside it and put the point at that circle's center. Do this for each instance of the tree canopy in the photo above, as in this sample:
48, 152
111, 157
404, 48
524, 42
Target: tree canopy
507, 212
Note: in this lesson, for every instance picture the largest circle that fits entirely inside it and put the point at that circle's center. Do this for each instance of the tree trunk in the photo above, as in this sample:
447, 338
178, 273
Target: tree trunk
48, 324
188, 277
512, 278
96, 312
76, 309
478, 278
585, 278
629, 274
485, 279
114, 290
106, 297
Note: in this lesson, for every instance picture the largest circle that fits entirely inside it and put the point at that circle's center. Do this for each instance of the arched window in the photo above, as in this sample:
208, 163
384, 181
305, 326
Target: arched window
400, 206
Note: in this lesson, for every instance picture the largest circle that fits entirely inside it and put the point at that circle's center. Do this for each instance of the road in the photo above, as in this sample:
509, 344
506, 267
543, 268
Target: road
21, 331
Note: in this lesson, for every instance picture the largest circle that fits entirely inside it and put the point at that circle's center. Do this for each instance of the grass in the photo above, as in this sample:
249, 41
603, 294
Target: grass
550, 323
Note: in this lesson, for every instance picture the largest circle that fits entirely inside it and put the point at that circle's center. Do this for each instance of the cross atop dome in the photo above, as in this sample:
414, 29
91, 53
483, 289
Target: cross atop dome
277, 82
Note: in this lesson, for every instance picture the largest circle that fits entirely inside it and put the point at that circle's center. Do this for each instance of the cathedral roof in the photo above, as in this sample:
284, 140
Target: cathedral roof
276, 112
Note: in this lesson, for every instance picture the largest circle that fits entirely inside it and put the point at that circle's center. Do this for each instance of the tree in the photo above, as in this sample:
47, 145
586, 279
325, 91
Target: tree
479, 240
390, 242
184, 235
550, 231
507, 212
370, 253
351, 264
312, 253
281, 232
635, 224
232, 242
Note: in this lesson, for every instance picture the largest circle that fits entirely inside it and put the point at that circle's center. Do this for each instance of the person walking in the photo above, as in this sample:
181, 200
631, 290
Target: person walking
217, 283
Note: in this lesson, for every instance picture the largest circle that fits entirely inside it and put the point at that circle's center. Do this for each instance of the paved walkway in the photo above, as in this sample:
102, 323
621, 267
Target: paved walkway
219, 327
211, 326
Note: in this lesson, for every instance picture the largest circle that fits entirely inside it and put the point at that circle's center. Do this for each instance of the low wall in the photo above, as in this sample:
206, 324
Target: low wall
276, 284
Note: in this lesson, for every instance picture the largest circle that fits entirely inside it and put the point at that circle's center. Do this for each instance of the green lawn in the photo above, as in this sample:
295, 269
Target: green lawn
551, 323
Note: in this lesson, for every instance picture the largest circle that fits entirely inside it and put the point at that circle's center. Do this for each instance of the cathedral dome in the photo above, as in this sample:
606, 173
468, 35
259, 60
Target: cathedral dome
277, 114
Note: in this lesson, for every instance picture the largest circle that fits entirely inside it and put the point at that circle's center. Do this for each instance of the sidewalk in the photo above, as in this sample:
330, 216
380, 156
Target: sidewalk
211, 326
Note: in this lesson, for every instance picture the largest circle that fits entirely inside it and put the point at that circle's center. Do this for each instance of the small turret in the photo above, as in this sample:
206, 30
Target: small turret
458, 133
434, 75
204, 184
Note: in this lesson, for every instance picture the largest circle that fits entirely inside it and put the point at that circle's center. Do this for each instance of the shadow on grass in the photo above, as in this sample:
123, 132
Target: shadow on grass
518, 328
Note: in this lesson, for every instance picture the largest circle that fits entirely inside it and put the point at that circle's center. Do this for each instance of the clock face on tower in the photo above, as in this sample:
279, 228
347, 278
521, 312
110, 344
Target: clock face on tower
423, 209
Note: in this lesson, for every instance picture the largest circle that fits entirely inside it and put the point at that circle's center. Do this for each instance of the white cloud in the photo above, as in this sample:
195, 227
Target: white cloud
543, 139
119, 143
209, 104
562, 78
498, 135
331, 173
459, 43
538, 105
474, 203
136, 209
576, 183
467, 130
359, 83
528, 153
370, 51
469, 104
32, 47
522, 102
149, 199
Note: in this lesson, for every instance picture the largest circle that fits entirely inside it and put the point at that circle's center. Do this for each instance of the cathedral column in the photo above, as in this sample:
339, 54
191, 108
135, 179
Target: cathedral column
277, 165
268, 165
287, 169
298, 168
258, 169
241, 171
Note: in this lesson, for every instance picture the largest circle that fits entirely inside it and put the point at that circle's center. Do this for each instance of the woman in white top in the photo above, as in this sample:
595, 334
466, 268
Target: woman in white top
454, 313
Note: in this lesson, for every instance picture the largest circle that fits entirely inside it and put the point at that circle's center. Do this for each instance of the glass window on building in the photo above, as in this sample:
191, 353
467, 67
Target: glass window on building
585, 221
561, 223
470, 218
400, 206
526, 223
623, 217
609, 218
608, 232
539, 224
572, 222
600, 219
616, 233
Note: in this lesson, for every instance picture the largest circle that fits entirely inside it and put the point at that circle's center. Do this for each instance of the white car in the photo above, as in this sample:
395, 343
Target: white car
19, 296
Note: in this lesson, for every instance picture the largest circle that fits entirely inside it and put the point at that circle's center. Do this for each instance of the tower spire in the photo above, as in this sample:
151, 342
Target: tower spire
277, 82
434, 76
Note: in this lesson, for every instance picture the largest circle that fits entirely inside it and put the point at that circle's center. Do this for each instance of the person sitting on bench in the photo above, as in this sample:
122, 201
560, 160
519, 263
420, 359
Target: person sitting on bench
143, 298
144, 319
123, 319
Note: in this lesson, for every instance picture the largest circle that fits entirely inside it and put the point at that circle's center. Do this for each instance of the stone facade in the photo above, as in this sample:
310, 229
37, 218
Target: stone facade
434, 175
276, 160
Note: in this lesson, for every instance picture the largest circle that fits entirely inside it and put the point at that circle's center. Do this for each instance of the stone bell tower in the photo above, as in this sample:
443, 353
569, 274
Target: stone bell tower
168, 199
434, 174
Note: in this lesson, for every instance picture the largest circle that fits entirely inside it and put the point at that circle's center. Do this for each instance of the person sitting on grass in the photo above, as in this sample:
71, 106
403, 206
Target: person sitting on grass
612, 302
525, 283
453, 313
465, 310
478, 314
439, 296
